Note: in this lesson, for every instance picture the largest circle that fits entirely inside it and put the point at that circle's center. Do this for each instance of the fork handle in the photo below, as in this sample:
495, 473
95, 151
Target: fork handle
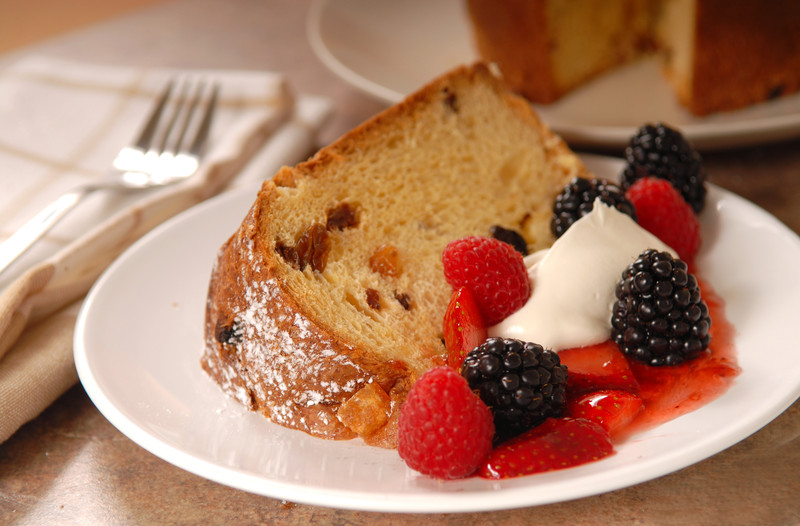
39, 225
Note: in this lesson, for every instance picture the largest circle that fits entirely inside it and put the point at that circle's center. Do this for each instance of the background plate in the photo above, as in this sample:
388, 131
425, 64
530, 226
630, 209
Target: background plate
139, 338
389, 49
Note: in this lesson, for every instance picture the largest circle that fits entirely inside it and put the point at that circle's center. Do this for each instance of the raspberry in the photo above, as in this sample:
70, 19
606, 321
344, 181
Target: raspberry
577, 199
659, 151
445, 431
493, 271
664, 213
659, 317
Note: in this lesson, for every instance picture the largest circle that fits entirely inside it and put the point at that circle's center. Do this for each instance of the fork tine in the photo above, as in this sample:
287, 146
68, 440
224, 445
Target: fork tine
148, 131
187, 116
205, 125
139, 166
167, 130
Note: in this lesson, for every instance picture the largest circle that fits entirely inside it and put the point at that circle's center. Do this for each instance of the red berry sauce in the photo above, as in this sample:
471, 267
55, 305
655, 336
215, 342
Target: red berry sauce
667, 392
671, 391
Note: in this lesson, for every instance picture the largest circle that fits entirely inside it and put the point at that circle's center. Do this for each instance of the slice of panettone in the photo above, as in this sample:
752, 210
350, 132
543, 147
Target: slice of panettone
327, 303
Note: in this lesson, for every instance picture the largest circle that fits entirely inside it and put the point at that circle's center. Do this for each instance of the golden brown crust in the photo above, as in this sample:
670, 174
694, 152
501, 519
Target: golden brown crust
503, 36
299, 343
275, 360
743, 52
542, 55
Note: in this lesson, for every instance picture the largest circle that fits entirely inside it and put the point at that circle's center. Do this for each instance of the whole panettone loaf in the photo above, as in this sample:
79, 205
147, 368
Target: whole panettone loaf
327, 302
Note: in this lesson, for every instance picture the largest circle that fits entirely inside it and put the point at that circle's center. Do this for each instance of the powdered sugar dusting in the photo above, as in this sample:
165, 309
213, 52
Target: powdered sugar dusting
282, 366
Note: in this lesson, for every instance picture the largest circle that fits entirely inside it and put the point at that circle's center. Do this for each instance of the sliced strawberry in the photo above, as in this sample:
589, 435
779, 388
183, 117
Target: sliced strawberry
611, 408
601, 366
556, 444
463, 326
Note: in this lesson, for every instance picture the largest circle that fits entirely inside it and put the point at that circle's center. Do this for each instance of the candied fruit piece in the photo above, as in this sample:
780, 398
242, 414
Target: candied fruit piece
385, 261
366, 411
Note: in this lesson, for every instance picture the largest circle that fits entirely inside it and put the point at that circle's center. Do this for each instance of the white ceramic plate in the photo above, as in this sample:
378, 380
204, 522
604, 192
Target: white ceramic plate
389, 49
139, 339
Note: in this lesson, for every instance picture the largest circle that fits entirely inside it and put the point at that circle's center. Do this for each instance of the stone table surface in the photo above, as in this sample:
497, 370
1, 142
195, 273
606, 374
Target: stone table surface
71, 466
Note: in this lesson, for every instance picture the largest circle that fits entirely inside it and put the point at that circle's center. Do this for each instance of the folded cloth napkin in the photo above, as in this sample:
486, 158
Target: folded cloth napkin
61, 124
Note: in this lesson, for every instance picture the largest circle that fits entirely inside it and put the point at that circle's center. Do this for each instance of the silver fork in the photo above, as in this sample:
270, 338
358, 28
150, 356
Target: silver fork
167, 150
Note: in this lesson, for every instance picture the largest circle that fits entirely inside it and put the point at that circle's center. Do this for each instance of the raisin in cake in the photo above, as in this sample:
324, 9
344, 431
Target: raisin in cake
718, 55
327, 302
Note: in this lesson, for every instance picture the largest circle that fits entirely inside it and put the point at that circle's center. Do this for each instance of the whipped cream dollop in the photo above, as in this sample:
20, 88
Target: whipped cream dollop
573, 281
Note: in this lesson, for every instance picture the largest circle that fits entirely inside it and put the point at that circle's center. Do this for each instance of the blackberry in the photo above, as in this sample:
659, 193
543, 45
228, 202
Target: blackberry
577, 199
659, 317
512, 237
522, 383
659, 151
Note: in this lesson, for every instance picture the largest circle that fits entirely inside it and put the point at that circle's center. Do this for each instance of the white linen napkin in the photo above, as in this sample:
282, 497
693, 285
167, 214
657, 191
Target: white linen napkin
61, 124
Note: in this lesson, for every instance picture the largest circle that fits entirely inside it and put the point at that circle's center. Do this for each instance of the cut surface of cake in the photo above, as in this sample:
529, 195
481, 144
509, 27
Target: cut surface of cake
717, 55
327, 303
